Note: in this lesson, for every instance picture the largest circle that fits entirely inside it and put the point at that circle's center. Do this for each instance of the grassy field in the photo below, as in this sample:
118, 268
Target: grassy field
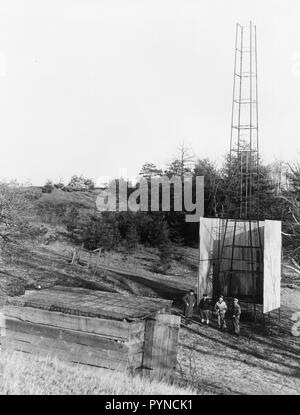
27, 375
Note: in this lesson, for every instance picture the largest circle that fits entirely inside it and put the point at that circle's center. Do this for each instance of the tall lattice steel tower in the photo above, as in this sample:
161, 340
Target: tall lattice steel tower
244, 151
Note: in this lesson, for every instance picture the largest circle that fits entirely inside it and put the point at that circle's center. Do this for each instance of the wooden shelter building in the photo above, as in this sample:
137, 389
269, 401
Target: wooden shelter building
97, 328
241, 258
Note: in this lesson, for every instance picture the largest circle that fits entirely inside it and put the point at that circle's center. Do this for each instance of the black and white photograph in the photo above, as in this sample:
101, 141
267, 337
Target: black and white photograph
149, 200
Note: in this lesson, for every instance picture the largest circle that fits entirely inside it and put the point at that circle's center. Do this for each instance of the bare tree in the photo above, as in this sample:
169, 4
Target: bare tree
183, 163
290, 200
279, 175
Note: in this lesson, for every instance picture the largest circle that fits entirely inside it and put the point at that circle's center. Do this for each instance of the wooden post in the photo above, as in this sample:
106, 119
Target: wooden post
160, 345
75, 257
2, 326
89, 259
99, 256
99, 250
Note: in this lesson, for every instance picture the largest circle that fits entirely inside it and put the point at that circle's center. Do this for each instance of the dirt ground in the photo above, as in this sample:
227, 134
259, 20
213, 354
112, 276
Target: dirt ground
263, 360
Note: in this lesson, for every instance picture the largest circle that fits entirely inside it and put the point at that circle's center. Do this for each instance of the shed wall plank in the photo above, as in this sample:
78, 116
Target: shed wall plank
66, 351
18, 328
161, 341
108, 328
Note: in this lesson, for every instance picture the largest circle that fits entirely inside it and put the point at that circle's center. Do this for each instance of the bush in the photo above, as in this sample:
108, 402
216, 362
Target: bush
81, 183
127, 226
59, 185
48, 187
163, 265
93, 231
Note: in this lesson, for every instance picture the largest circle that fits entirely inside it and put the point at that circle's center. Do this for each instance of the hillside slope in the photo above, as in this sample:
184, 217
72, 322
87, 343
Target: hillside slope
265, 359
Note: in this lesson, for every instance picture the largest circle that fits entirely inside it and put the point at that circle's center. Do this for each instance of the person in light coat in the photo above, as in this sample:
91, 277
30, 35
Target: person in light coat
220, 310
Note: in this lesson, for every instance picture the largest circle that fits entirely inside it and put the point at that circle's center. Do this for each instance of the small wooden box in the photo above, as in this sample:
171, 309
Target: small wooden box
98, 328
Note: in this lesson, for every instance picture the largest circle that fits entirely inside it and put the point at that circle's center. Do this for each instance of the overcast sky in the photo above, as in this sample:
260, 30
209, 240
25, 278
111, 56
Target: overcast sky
94, 86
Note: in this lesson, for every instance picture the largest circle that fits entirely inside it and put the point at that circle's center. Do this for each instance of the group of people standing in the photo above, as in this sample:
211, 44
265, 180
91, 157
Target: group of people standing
204, 308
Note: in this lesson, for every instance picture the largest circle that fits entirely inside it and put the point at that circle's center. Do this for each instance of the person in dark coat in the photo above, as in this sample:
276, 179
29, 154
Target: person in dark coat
189, 300
204, 309
236, 316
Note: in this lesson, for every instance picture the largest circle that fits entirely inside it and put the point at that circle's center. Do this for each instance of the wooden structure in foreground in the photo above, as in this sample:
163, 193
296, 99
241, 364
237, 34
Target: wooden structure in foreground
241, 258
95, 328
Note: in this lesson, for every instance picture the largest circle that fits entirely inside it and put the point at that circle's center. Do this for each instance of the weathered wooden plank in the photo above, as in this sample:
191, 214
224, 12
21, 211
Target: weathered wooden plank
149, 344
208, 235
136, 332
272, 266
91, 303
160, 347
135, 360
137, 337
110, 328
136, 347
172, 348
61, 344
67, 352
18, 328
136, 326
170, 320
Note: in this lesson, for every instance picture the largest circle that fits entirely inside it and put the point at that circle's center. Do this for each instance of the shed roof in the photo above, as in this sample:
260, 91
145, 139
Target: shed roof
91, 303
